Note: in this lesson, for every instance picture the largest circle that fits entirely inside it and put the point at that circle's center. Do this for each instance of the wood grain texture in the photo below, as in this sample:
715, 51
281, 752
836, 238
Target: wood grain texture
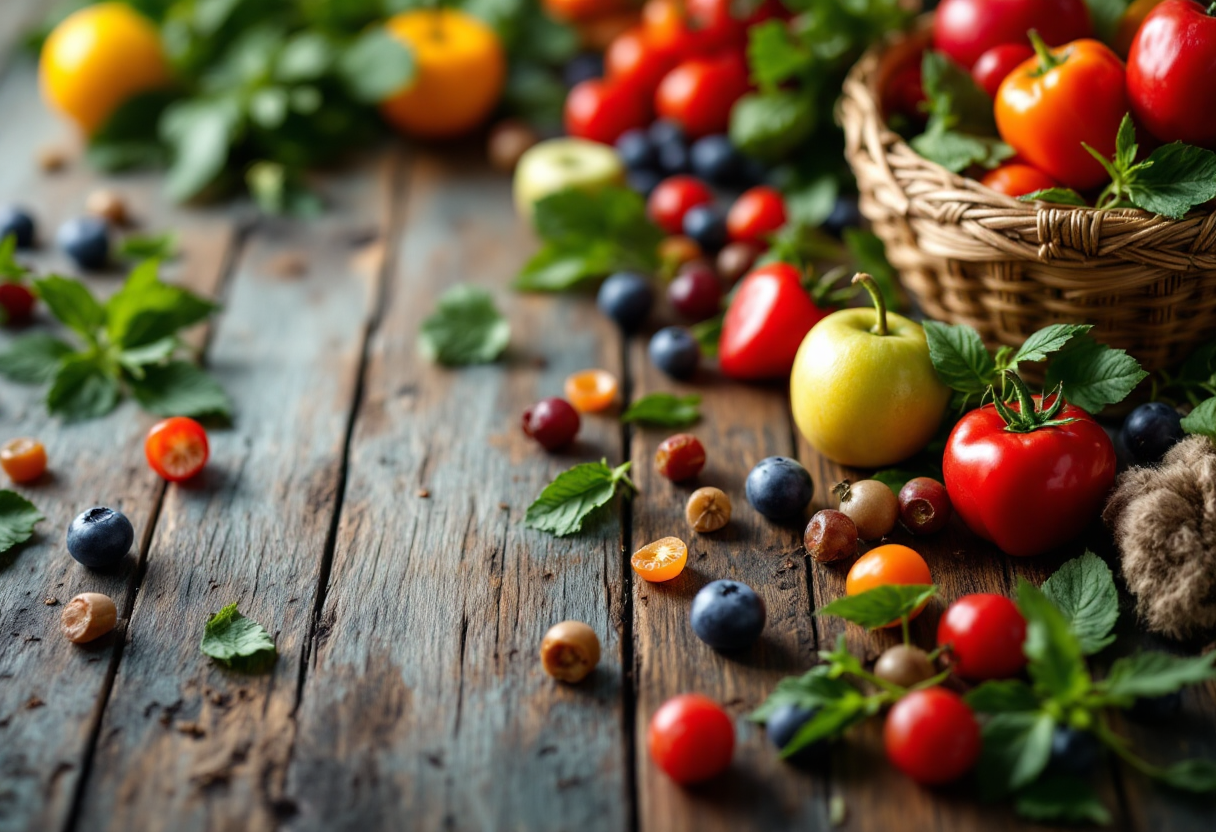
186, 744
425, 703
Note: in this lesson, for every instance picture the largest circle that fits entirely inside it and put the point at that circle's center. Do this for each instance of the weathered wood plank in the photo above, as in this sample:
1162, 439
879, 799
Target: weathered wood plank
185, 744
425, 701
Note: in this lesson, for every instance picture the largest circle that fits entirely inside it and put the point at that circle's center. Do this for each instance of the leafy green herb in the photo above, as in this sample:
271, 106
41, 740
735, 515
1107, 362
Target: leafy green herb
573, 495
1053, 651
810, 690
17, 519
1084, 591
1003, 696
960, 358
1056, 196
664, 409
147, 246
1061, 798
708, 334
237, 642
1148, 675
961, 131
1202, 420
880, 606
33, 359
1094, 375
1017, 745
465, 328
11, 271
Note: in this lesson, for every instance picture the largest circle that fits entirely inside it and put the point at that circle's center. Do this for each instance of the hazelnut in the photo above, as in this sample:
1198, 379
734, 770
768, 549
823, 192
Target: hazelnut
570, 651
708, 509
88, 616
108, 205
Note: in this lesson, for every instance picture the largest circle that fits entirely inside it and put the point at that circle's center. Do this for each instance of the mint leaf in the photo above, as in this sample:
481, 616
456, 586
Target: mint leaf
1094, 375
772, 125
554, 269
465, 328
1046, 341
1175, 179
832, 719
1005, 696
147, 246
82, 389
200, 132
1151, 674
376, 65
811, 203
1201, 420
1017, 746
958, 151
664, 409
237, 642
146, 310
880, 606
17, 519
179, 388
1084, 590
33, 359
1056, 196
1056, 663
950, 90
812, 689
136, 359
960, 358
1061, 798
773, 56
1189, 776
73, 304
573, 495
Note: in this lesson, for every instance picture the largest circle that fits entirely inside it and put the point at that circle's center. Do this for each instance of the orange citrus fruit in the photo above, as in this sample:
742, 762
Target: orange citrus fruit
23, 459
96, 59
591, 391
459, 75
660, 561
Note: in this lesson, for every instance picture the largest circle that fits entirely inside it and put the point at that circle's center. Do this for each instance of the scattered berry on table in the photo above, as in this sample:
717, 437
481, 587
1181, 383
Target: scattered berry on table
715, 160
660, 561
583, 67
675, 351
570, 651
107, 205
679, 457
889, 564
643, 181
708, 509
756, 215
706, 224
100, 537
779, 488
636, 150
691, 738
673, 198
177, 448
591, 391
1150, 430
830, 536
672, 158
736, 259
88, 616
552, 422
16, 303
932, 736
924, 505
665, 131
845, 214
871, 505
626, 298
1073, 752
696, 293
1156, 708
23, 459
904, 665
727, 615
981, 636
18, 222
86, 240
782, 726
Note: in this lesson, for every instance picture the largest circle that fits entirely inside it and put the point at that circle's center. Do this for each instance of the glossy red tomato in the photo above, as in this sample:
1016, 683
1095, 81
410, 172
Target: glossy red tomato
982, 637
691, 738
932, 736
601, 110
768, 318
700, 92
671, 199
1171, 73
177, 448
665, 25
966, 29
991, 68
632, 61
718, 22
756, 214
1017, 179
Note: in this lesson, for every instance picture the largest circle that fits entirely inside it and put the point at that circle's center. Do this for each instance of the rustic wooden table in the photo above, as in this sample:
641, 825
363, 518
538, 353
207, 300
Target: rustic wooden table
366, 508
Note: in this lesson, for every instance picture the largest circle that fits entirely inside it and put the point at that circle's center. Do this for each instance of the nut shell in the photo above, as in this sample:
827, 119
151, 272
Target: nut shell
88, 616
708, 510
570, 651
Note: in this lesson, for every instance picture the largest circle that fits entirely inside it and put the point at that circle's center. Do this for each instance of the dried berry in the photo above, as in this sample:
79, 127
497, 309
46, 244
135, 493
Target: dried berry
871, 505
88, 616
569, 651
924, 505
680, 457
904, 665
830, 536
708, 510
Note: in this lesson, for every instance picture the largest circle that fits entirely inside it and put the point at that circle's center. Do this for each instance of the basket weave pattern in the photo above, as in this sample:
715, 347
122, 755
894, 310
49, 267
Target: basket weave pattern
970, 255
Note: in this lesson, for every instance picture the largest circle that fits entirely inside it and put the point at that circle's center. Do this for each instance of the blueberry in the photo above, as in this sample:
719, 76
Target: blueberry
845, 214
1073, 752
583, 67
715, 160
673, 158
779, 488
1156, 708
752, 172
674, 351
665, 131
86, 240
18, 222
1150, 430
643, 181
626, 297
706, 224
100, 537
636, 151
783, 725
727, 615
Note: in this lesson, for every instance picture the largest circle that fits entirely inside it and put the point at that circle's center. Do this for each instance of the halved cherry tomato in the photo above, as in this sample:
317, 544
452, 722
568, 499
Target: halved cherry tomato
756, 214
601, 111
932, 736
634, 62
700, 92
23, 459
660, 561
672, 198
889, 564
691, 738
991, 68
591, 391
1016, 179
177, 448
982, 637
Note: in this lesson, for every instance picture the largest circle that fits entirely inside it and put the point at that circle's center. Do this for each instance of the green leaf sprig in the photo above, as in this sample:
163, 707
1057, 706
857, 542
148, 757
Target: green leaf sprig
961, 131
465, 328
574, 495
1193, 383
665, 410
237, 642
17, 519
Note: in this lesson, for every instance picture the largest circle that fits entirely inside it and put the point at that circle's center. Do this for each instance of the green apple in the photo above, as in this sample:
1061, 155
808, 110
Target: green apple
557, 164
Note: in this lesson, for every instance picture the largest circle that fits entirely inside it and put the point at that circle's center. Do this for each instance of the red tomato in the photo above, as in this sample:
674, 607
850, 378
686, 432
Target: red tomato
633, 62
671, 199
905, 92
966, 29
718, 25
177, 448
756, 214
568, 10
1171, 73
770, 315
16, 303
1028, 492
602, 110
991, 68
691, 738
666, 27
982, 637
932, 736
700, 92
1016, 179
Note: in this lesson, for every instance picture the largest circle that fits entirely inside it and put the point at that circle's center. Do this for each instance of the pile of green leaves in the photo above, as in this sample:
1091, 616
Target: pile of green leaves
17, 519
574, 495
1194, 383
465, 328
237, 642
961, 130
130, 343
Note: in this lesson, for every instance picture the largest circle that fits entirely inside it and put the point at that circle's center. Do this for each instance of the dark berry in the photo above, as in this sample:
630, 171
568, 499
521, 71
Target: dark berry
100, 537
673, 158
583, 67
752, 172
19, 223
706, 224
1073, 752
845, 214
674, 351
715, 160
783, 725
727, 615
636, 151
1156, 708
696, 293
1150, 430
779, 488
643, 181
626, 297
552, 422
680, 457
86, 240
664, 131
736, 260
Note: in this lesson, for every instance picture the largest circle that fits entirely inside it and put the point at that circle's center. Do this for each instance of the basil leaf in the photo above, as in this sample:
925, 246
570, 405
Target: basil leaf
773, 56
1084, 590
812, 689
664, 409
958, 151
813, 202
237, 642
466, 328
1094, 375
1061, 798
1189, 776
880, 606
147, 246
1016, 748
1005, 696
1201, 420
1056, 662
33, 359
73, 304
179, 388
17, 519
960, 358
11, 271
82, 389
557, 269
1046, 341
832, 719
772, 125
1056, 196
146, 310
573, 495
376, 66
1175, 179
1151, 674
200, 131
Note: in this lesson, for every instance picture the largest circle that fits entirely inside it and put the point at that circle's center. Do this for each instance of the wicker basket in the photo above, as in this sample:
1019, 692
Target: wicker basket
970, 255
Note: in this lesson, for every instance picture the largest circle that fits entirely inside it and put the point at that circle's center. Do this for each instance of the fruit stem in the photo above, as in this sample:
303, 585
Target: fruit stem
1047, 61
903, 621
880, 304
1029, 416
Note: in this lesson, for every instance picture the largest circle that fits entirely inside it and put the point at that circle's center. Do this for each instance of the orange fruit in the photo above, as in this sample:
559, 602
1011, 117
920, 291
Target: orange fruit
591, 391
889, 564
23, 460
98, 58
459, 75
660, 561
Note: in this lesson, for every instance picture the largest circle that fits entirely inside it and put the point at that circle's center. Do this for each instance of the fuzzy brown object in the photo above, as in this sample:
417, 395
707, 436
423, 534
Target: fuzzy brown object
1164, 520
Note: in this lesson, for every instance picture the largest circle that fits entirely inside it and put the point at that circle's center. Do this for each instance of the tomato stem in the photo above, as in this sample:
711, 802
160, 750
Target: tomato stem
880, 304
1047, 61
1029, 416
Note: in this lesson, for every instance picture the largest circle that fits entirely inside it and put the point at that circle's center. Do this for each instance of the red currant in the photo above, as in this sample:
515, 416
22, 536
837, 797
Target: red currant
924, 505
680, 457
696, 293
551, 422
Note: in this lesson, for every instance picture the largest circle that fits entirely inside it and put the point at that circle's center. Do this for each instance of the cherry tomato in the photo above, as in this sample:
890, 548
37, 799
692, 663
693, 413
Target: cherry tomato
889, 564
16, 303
700, 92
177, 448
672, 198
634, 62
991, 68
1017, 179
666, 27
966, 29
591, 391
716, 22
768, 318
660, 561
932, 736
982, 637
691, 738
1171, 73
23, 459
602, 110
756, 214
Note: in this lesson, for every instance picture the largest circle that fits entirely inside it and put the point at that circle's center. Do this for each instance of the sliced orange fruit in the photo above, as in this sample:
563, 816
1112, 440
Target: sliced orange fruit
591, 391
660, 561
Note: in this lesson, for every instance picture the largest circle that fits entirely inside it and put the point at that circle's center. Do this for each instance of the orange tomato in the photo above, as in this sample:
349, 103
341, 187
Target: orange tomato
461, 69
660, 561
665, 24
889, 564
571, 10
23, 459
591, 391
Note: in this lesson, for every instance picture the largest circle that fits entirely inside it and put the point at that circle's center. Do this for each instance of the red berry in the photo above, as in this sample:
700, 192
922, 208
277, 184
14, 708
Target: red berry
602, 110
696, 293
672, 198
983, 636
924, 505
17, 302
680, 457
177, 448
691, 738
756, 214
551, 422
932, 736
